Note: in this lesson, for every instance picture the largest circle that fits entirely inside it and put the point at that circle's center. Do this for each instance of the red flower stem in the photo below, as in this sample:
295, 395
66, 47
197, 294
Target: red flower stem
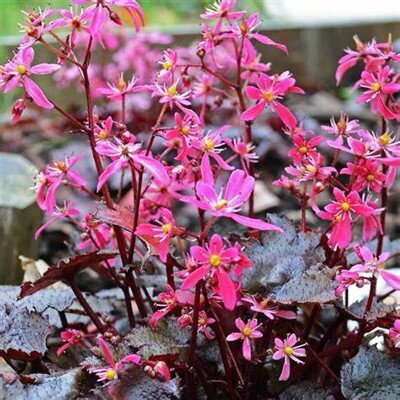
85, 305
140, 182
195, 322
59, 53
381, 235
170, 271
70, 117
323, 364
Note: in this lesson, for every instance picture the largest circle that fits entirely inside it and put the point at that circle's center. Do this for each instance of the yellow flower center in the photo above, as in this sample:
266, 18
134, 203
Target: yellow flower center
370, 177
21, 69
311, 168
102, 135
303, 149
172, 91
269, 96
385, 139
209, 144
376, 87
61, 165
338, 218
221, 204
110, 374
125, 150
247, 331
202, 321
166, 228
167, 65
121, 84
215, 260
185, 130
289, 351
345, 206
342, 124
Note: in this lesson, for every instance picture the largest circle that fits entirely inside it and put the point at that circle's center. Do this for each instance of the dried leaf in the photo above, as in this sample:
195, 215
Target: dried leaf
63, 386
168, 338
371, 374
378, 310
66, 270
306, 391
288, 267
134, 384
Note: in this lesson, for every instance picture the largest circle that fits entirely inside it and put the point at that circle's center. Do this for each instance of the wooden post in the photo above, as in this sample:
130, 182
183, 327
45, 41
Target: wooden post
19, 216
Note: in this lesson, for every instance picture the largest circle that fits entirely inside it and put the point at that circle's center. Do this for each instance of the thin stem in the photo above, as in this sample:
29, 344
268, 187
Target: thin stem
85, 305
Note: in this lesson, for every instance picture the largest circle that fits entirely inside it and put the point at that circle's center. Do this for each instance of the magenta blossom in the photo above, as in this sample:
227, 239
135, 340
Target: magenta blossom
101, 11
340, 212
212, 144
374, 264
59, 213
169, 300
377, 88
246, 332
160, 232
346, 278
123, 154
71, 337
121, 89
229, 201
214, 260
288, 350
268, 93
204, 325
269, 311
110, 372
17, 73
245, 29
304, 149
171, 96
394, 333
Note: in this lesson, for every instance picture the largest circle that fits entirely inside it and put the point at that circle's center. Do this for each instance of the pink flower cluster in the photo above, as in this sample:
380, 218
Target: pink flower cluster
161, 188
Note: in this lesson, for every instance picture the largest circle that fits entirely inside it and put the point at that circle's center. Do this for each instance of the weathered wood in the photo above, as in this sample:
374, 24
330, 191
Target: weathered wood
19, 216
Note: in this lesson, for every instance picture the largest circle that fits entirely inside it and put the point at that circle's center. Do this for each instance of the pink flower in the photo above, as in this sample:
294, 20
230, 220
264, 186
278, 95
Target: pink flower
123, 154
58, 214
267, 93
222, 9
341, 129
211, 145
110, 372
378, 87
157, 370
374, 264
17, 110
17, 73
121, 89
245, 29
304, 148
101, 10
172, 96
287, 350
394, 333
52, 179
346, 278
185, 130
367, 175
246, 332
243, 149
161, 232
340, 212
269, 311
71, 337
170, 59
169, 300
204, 322
214, 260
229, 201
96, 234
103, 131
